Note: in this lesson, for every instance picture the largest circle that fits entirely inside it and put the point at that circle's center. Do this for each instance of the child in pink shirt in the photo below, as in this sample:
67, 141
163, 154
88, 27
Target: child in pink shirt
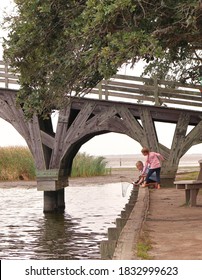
154, 164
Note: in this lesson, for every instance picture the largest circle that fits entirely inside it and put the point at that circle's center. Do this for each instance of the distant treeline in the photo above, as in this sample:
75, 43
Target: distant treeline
16, 163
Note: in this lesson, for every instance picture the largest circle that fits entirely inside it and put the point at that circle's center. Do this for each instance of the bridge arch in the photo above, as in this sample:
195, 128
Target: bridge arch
66, 163
67, 160
83, 119
98, 117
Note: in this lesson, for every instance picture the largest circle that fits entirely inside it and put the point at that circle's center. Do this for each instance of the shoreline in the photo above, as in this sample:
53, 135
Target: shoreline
114, 177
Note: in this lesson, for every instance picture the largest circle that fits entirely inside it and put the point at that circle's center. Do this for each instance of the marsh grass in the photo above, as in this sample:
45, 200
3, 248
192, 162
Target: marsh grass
87, 166
17, 163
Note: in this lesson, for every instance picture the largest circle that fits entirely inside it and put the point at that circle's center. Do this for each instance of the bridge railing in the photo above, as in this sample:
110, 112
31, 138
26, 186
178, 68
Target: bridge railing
126, 88
147, 90
8, 79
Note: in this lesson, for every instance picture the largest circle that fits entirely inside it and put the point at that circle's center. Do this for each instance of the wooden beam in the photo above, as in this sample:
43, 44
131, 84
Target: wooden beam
37, 149
100, 118
179, 138
134, 128
61, 131
76, 127
150, 134
14, 115
47, 139
164, 151
192, 138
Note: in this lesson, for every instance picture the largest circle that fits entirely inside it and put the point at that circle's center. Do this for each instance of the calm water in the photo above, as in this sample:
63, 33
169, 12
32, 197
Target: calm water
27, 233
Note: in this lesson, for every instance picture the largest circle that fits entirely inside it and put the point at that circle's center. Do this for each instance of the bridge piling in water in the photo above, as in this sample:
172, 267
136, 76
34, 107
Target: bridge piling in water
54, 201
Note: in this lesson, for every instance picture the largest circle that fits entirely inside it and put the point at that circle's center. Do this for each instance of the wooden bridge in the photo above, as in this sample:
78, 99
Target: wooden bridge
124, 104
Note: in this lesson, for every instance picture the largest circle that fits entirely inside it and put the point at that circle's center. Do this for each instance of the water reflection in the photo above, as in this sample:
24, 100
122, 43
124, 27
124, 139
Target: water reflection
55, 232
27, 233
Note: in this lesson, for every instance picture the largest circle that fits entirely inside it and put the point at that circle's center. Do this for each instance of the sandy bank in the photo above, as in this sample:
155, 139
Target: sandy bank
114, 177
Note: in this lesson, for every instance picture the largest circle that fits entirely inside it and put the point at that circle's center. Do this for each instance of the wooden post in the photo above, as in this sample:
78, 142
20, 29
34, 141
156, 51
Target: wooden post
54, 201
187, 196
193, 195
156, 91
106, 90
6, 75
100, 90
61, 200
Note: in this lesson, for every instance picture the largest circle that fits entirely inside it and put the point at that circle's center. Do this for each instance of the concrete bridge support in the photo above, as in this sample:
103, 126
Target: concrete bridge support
83, 119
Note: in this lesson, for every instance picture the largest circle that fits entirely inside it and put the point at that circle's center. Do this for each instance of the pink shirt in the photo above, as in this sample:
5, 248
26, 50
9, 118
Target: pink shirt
153, 160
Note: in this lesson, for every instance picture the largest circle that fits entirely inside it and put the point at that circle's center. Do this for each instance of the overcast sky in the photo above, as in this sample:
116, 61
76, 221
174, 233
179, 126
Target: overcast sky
107, 144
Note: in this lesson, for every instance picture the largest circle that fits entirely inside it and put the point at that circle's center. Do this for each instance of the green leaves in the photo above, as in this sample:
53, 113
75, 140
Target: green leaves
63, 46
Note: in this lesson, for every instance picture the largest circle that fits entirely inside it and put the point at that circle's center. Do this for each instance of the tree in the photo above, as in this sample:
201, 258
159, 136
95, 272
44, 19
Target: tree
62, 46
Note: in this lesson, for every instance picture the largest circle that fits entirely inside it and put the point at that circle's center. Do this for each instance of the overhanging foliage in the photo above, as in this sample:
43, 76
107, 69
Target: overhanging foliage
65, 46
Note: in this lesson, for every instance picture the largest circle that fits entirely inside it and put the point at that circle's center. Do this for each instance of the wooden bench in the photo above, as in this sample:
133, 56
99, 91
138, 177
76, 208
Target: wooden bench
191, 187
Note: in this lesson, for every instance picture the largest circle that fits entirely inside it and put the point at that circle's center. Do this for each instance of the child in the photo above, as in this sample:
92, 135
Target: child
152, 178
154, 164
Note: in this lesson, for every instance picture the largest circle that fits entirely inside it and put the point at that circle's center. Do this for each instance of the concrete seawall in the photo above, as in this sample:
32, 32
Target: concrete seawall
122, 239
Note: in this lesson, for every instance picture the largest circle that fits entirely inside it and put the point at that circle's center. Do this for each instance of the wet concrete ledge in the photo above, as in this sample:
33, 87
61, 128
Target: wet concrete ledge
122, 239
